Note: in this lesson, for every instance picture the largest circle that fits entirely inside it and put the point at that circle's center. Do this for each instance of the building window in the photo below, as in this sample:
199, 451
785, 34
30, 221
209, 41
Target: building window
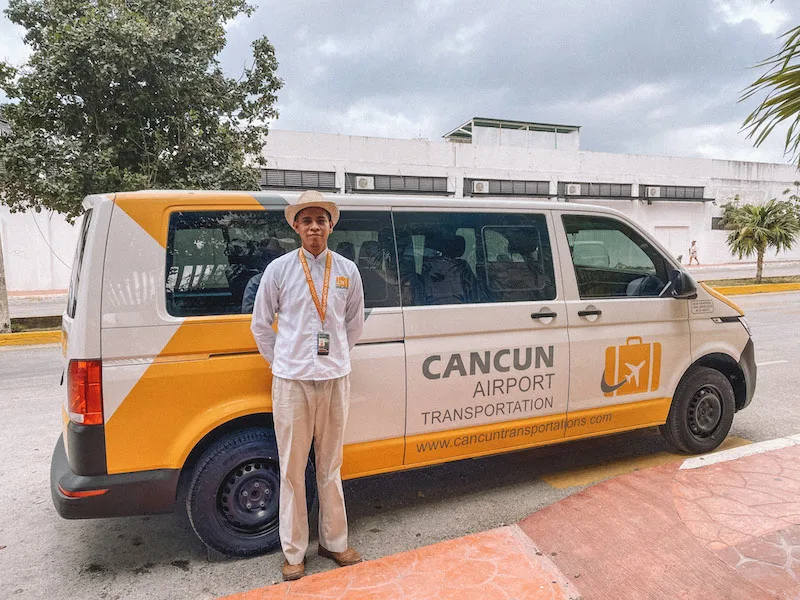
411, 184
716, 223
506, 187
594, 190
307, 180
671, 192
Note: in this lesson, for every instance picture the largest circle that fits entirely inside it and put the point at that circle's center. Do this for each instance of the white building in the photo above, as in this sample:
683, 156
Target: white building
676, 199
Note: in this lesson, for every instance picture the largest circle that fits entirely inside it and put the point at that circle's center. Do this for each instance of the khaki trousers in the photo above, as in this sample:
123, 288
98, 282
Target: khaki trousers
302, 411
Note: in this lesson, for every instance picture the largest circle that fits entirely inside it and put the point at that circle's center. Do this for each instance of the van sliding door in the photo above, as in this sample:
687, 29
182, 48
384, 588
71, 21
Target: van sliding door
487, 352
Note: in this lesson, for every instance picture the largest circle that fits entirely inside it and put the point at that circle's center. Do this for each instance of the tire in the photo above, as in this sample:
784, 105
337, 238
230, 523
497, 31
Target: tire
701, 413
238, 469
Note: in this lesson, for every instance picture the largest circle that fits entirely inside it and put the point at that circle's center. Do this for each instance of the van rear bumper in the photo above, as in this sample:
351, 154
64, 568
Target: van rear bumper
140, 493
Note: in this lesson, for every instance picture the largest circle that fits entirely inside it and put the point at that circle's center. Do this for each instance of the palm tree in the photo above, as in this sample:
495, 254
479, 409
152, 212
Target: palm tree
755, 228
781, 82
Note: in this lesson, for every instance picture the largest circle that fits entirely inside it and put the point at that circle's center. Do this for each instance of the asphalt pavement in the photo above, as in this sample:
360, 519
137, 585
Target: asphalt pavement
44, 556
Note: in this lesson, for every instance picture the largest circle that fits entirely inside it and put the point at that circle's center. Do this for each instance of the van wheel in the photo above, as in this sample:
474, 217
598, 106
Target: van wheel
234, 494
701, 413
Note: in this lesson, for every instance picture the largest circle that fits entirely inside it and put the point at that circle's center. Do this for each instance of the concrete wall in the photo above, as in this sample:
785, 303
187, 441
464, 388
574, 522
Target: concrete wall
33, 266
38, 249
670, 221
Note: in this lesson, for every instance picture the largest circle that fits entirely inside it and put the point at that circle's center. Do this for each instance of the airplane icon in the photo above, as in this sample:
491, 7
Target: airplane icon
633, 372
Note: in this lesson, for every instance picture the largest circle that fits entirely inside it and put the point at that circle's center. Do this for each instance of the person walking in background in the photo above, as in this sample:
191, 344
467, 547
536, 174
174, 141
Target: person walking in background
310, 360
693, 253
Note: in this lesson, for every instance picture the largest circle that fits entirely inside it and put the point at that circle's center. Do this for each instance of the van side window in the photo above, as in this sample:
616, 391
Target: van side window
77, 263
612, 260
366, 238
215, 259
467, 258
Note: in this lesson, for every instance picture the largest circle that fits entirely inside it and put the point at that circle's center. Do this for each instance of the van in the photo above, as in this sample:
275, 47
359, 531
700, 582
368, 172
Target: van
483, 335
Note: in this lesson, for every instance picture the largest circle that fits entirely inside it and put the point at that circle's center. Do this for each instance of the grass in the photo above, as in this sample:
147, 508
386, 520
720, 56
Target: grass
752, 280
35, 324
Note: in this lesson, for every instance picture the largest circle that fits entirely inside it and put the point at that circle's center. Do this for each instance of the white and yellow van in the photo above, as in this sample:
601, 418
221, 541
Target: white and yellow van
492, 325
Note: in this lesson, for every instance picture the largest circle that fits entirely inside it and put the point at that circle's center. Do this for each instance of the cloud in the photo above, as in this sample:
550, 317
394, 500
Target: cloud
771, 19
641, 77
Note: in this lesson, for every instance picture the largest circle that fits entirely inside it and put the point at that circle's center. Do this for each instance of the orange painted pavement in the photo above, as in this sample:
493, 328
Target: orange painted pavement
726, 530
497, 564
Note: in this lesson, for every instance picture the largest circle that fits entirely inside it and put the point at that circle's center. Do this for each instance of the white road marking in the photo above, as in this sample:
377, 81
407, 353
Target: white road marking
734, 453
771, 362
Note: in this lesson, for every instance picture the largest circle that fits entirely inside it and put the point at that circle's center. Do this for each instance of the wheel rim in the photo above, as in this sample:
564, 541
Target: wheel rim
705, 411
248, 498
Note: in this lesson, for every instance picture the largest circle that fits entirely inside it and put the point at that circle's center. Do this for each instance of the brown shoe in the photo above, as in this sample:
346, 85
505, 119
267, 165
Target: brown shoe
343, 559
293, 572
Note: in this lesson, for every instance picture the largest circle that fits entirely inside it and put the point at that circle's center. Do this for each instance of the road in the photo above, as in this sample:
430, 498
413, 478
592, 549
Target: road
44, 556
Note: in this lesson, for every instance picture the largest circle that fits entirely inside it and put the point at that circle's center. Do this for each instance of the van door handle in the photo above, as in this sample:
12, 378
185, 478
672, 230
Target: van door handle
586, 313
544, 315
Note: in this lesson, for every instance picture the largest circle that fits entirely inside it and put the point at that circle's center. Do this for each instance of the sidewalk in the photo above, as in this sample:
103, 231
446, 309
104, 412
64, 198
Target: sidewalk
48, 303
743, 270
724, 526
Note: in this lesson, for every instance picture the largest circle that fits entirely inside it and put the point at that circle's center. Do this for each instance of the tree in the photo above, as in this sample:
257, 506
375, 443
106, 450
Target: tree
755, 228
781, 82
129, 94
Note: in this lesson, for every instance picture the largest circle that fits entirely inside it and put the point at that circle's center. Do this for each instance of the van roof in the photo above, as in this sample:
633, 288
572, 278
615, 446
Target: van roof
281, 198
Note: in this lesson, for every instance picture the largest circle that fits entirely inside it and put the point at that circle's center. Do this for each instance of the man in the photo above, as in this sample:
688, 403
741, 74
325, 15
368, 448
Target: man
318, 298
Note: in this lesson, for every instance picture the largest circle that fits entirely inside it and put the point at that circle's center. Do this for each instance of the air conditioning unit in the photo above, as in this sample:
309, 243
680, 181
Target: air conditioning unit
480, 187
574, 189
365, 182
653, 192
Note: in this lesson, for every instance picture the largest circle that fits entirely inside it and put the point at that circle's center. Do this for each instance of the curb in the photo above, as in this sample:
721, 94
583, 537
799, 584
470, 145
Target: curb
759, 288
29, 338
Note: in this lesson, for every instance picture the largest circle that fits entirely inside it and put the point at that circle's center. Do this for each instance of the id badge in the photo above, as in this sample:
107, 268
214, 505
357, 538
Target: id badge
323, 343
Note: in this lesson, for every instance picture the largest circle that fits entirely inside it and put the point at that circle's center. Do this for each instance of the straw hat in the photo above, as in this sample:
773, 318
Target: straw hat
309, 199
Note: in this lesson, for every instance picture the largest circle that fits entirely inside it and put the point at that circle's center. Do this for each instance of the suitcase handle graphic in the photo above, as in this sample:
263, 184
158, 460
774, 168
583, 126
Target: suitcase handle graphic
630, 339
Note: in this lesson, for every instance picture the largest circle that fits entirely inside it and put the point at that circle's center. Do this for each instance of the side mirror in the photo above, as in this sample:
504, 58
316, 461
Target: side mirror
682, 285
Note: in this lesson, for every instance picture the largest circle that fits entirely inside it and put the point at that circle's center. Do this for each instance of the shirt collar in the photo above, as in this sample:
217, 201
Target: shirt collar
310, 256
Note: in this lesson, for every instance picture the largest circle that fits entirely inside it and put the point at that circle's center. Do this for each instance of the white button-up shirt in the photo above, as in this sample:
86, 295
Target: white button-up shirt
283, 291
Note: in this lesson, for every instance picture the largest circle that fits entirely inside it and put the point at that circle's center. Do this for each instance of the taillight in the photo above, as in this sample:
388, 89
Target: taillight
85, 392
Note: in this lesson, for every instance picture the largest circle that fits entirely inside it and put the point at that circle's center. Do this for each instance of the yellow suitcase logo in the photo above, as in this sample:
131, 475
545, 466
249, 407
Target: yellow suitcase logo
631, 369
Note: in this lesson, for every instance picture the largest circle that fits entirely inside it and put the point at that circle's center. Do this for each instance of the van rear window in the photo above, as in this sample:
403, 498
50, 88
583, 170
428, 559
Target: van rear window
77, 264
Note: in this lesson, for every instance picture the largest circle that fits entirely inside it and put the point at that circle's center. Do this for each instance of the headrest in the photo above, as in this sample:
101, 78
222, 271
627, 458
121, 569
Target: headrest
346, 249
456, 247
369, 254
523, 245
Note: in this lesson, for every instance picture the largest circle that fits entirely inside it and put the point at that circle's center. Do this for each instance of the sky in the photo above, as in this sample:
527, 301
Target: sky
639, 76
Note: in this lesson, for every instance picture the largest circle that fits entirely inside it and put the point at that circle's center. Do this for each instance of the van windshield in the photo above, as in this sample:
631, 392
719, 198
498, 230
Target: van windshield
74, 283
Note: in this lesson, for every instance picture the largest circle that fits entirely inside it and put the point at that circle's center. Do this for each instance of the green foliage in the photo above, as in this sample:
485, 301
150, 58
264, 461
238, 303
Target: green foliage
756, 228
781, 83
129, 94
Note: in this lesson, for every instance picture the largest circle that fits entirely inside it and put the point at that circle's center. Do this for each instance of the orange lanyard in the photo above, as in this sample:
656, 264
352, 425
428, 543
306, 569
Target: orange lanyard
322, 307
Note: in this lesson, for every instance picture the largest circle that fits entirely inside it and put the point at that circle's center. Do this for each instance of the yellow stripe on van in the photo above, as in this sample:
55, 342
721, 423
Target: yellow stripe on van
722, 298
444, 446
372, 458
175, 404
147, 208
619, 417
431, 448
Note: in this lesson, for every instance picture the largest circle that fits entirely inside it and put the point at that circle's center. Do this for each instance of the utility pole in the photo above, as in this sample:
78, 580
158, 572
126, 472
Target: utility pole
5, 319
